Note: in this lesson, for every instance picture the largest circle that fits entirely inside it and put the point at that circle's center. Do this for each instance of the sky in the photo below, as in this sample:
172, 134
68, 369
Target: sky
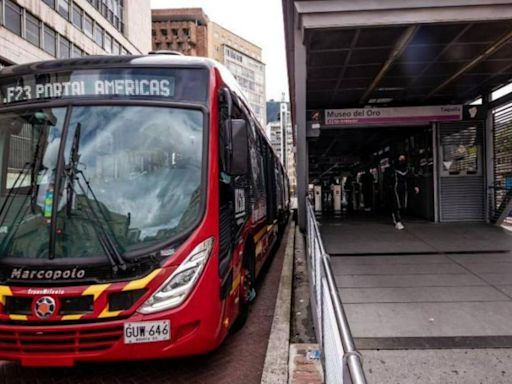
260, 22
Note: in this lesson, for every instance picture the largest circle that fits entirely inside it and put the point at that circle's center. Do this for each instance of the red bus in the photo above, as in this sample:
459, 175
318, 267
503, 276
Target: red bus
140, 199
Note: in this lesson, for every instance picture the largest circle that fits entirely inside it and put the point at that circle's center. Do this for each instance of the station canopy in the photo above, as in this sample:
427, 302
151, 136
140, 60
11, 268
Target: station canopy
346, 54
399, 52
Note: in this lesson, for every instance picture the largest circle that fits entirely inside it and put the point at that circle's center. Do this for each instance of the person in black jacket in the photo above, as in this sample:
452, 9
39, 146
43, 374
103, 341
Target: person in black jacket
400, 178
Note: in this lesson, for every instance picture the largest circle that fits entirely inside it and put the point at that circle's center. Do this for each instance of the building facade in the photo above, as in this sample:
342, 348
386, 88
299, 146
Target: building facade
189, 31
281, 138
181, 30
34, 30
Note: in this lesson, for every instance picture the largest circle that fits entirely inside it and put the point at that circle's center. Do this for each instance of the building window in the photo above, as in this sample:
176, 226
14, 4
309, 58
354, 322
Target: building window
153, 32
76, 52
108, 43
174, 32
49, 40
186, 32
163, 32
88, 25
51, 3
13, 17
64, 48
77, 16
98, 35
116, 48
64, 8
33, 29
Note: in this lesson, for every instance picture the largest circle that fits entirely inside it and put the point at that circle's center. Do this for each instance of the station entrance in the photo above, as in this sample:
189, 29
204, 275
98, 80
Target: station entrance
355, 169
441, 165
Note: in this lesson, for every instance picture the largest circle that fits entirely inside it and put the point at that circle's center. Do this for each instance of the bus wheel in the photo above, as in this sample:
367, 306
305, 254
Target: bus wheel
247, 293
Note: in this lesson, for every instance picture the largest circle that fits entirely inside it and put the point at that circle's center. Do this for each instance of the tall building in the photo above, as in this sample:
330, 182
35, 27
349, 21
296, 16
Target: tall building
281, 138
190, 31
34, 30
181, 30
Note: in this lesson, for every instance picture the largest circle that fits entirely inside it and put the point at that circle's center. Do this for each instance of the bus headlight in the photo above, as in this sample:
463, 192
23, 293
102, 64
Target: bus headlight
177, 287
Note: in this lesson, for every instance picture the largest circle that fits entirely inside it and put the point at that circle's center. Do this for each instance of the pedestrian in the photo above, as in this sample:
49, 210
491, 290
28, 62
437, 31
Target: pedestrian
400, 178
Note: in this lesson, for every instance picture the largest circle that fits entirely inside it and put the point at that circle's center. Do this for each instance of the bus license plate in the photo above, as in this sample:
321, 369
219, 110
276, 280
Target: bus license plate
147, 331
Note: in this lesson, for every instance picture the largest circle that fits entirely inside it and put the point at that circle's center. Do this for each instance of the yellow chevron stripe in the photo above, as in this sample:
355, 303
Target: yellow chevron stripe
142, 283
4, 291
18, 317
107, 313
95, 290
71, 317
260, 234
235, 284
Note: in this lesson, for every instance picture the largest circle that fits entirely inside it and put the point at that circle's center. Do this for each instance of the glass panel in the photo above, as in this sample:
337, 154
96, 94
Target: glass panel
50, 44
64, 48
64, 8
13, 17
461, 151
33, 30
50, 3
138, 177
98, 35
88, 25
29, 143
108, 43
116, 48
76, 52
77, 16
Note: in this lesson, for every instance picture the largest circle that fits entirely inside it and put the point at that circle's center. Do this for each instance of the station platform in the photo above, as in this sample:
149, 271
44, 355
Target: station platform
431, 286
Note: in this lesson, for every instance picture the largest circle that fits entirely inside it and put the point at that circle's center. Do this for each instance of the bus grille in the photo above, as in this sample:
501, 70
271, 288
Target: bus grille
63, 341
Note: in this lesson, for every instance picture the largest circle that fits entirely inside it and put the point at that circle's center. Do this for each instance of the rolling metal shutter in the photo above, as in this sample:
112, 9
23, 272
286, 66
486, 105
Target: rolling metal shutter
502, 136
462, 197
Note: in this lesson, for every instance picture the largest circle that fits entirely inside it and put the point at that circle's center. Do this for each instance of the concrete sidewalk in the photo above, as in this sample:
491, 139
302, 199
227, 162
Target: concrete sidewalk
289, 360
367, 237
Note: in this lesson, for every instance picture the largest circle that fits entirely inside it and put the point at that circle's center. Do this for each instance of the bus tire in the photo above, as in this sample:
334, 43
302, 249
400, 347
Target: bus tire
248, 283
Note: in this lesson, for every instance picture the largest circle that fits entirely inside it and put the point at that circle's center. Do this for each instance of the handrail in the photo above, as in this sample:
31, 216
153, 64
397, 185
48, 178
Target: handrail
351, 358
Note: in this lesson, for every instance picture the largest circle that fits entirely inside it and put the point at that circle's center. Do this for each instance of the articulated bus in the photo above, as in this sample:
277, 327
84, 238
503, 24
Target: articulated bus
140, 199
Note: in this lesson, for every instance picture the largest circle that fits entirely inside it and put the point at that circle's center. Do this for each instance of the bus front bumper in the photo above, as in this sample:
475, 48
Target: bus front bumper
66, 345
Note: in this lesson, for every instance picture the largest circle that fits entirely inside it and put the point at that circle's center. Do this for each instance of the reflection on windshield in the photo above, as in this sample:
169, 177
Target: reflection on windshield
130, 174
29, 144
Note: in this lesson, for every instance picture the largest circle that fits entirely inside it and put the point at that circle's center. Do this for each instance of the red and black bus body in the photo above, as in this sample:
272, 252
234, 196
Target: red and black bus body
58, 312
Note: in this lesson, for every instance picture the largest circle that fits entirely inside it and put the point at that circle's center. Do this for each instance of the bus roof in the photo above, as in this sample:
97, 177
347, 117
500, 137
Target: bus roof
88, 62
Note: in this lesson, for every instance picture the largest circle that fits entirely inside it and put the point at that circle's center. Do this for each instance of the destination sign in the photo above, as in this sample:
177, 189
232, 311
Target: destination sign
150, 83
125, 87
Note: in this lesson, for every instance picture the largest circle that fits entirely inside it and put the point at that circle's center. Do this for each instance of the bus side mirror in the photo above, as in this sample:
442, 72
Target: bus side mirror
240, 148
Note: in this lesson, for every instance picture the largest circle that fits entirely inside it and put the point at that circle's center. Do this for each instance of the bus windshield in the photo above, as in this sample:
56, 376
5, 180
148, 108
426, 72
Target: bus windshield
130, 173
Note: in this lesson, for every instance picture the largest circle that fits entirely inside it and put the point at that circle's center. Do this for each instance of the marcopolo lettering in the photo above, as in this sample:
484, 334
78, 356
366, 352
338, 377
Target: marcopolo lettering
47, 274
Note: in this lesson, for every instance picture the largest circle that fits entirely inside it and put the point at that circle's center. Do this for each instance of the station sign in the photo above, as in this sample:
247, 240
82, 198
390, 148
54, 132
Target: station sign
392, 116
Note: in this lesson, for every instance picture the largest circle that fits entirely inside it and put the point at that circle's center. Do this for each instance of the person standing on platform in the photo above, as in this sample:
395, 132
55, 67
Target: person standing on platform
400, 178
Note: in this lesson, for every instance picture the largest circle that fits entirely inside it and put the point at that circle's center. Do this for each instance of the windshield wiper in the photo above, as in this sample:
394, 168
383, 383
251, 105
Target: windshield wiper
108, 241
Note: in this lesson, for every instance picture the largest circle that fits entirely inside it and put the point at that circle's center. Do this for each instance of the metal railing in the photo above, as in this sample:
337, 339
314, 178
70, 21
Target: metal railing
341, 361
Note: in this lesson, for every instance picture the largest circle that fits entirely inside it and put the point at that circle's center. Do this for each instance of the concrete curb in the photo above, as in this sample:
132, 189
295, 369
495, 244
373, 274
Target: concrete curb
275, 369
